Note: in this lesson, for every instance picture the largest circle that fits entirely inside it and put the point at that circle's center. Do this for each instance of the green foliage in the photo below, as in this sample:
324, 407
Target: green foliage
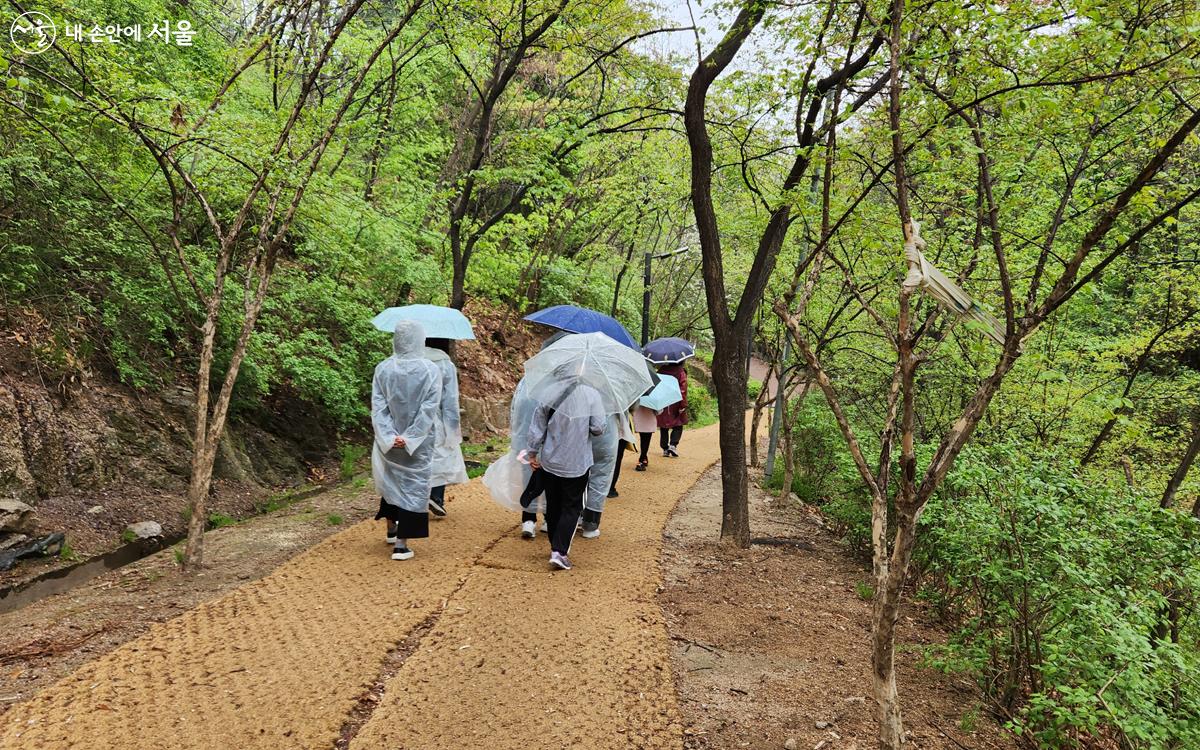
352, 455
1060, 587
220, 520
333, 519
753, 388
702, 407
67, 553
128, 537
865, 591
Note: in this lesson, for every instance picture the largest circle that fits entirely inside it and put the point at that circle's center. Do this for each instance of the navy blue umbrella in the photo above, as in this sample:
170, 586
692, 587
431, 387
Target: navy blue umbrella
668, 351
582, 320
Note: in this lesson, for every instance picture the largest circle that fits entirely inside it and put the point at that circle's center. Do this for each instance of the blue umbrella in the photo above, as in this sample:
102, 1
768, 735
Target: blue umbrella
664, 394
438, 322
582, 320
668, 351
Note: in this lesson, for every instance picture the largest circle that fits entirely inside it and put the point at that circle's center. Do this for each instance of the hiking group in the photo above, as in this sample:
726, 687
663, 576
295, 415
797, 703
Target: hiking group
588, 396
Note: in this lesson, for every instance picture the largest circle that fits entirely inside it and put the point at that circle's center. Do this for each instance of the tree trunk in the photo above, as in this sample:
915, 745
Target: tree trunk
1181, 471
789, 453
203, 460
729, 377
885, 613
760, 403
458, 286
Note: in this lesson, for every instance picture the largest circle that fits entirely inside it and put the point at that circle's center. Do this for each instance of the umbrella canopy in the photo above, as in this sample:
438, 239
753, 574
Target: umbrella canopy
617, 372
582, 320
668, 351
438, 322
664, 394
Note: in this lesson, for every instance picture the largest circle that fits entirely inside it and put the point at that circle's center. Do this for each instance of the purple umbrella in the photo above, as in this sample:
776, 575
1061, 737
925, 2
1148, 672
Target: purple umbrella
668, 351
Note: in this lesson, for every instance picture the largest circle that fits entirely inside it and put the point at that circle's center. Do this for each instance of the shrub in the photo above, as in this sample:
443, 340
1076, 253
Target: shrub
753, 388
220, 520
702, 407
352, 455
1058, 586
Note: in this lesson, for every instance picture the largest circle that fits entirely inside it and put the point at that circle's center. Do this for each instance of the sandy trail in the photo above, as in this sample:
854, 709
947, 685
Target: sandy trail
517, 656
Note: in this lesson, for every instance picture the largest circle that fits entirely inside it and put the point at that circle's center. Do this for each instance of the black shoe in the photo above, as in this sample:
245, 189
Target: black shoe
392, 530
436, 508
641, 466
613, 493
402, 553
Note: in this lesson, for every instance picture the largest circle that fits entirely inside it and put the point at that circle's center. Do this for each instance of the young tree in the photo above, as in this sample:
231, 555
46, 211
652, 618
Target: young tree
312, 63
846, 56
536, 85
1081, 233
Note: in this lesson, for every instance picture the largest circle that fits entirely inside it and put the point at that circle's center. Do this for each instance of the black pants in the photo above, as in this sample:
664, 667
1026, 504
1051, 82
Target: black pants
438, 494
669, 436
645, 441
564, 503
527, 516
612, 487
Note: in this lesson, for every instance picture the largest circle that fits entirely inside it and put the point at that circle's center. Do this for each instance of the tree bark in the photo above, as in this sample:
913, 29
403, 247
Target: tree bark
1181, 471
729, 376
760, 403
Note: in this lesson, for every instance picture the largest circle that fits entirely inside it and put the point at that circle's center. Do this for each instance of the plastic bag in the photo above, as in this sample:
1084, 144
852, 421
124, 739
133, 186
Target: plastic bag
505, 481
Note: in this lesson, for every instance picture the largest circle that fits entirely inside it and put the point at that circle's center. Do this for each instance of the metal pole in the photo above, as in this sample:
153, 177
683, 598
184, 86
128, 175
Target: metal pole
646, 302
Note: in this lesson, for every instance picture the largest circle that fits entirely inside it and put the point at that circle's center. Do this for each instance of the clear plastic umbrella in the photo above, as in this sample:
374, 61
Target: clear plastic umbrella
617, 372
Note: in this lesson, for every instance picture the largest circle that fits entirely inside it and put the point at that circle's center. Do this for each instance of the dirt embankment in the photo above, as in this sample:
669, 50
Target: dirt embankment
92, 455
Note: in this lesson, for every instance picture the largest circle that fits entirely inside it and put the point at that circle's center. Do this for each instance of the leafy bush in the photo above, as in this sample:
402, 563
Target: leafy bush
702, 407
352, 455
1060, 590
753, 388
220, 520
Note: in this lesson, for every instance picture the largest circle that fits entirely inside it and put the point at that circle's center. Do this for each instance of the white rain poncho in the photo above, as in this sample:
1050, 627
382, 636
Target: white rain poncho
448, 464
520, 415
405, 397
604, 461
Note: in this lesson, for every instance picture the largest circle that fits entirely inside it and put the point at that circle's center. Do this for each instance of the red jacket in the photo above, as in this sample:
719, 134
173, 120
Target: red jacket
675, 415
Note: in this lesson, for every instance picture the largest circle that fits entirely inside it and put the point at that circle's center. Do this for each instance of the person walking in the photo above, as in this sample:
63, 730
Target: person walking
605, 454
406, 393
626, 439
645, 422
448, 464
560, 447
672, 419
520, 415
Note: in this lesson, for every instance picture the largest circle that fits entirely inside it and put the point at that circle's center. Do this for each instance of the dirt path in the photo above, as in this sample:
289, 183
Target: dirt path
514, 655
771, 644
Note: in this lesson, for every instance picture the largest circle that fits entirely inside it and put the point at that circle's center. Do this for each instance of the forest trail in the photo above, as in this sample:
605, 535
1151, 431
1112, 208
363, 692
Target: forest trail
289, 661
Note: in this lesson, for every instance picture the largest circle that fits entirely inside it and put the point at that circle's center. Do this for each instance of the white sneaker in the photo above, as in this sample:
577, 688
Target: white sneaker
545, 529
402, 553
589, 533
528, 530
392, 533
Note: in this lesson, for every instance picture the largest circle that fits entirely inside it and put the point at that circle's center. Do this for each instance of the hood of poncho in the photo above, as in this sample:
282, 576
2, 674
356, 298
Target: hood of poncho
408, 341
